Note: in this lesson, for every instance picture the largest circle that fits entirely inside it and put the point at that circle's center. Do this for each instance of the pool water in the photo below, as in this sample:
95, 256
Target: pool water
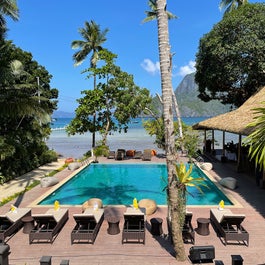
119, 184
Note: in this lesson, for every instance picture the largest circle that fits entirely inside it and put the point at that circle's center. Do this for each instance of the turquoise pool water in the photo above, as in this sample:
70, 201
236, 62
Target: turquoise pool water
119, 184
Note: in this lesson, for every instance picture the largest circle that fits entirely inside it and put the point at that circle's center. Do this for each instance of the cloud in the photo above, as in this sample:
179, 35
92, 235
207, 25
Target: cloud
150, 67
187, 69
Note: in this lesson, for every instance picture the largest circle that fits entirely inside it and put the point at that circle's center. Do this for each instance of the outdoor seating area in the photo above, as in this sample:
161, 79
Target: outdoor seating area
48, 225
122, 154
148, 232
11, 222
188, 233
87, 225
134, 226
229, 226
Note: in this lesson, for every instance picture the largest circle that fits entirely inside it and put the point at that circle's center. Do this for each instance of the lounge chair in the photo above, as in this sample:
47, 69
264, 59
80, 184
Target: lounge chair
87, 226
228, 226
188, 233
111, 155
134, 226
48, 225
120, 154
138, 155
11, 222
147, 155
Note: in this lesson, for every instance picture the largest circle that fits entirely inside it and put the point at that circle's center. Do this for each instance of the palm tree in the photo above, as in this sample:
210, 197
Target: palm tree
231, 4
92, 43
166, 81
7, 8
256, 140
152, 15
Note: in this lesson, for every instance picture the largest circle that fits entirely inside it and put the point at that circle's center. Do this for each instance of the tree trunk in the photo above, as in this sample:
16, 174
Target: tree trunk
166, 82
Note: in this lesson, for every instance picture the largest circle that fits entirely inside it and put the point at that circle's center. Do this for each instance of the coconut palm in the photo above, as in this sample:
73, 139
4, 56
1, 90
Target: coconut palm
152, 15
7, 8
166, 81
230, 5
92, 43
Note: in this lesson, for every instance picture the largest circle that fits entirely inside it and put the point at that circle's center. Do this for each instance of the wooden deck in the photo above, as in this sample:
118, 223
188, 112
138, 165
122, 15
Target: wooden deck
108, 249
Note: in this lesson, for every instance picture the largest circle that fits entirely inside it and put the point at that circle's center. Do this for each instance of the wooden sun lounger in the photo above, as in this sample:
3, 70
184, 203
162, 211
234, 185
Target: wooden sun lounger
48, 225
87, 226
11, 222
147, 155
138, 155
228, 226
188, 233
134, 226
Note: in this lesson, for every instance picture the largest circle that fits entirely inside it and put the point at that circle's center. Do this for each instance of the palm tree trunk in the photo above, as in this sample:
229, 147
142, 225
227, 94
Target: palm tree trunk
166, 81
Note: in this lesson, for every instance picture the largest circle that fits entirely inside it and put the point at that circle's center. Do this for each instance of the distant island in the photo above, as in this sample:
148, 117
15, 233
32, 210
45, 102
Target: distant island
189, 103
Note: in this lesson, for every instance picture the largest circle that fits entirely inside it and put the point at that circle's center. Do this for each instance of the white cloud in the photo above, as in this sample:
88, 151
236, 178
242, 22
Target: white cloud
150, 67
187, 69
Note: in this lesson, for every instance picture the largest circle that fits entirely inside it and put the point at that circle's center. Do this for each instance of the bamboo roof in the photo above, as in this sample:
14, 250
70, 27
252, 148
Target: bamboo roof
235, 121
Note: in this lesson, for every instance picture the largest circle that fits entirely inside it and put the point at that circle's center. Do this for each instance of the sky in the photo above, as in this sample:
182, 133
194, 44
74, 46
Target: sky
46, 29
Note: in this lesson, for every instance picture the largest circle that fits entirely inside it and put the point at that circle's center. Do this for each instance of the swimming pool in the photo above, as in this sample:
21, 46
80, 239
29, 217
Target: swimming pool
119, 184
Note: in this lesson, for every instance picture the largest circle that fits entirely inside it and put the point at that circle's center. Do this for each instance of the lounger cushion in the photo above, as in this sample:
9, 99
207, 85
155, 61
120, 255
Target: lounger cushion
15, 216
228, 182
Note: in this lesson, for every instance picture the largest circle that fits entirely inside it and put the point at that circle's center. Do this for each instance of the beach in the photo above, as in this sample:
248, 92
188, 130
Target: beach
136, 138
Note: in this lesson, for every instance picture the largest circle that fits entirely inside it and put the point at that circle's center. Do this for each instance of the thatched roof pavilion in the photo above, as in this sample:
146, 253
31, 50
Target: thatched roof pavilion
235, 121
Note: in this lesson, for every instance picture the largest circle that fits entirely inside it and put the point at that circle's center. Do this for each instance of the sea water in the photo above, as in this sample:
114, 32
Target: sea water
136, 138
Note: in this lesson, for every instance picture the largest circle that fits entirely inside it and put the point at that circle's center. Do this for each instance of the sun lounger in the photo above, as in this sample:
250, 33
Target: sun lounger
228, 225
138, 155
134, 226
87, 226
120, 154
147, 155
48, 225
11, 222
188, 233
111, 155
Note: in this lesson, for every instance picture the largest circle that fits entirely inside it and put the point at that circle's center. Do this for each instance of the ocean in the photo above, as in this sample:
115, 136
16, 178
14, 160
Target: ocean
136, 138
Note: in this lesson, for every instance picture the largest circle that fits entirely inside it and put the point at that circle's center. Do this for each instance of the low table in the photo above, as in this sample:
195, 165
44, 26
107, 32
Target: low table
156, 226
203, 226
28, 222
113, 222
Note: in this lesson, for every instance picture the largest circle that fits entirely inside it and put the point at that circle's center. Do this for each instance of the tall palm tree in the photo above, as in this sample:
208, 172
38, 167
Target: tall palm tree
230, 5
7, 8
152, 15
93, 38
166, 82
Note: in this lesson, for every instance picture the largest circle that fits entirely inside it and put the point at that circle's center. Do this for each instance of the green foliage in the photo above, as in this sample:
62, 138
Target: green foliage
116, 100
256, 140
184, 179
101, 150
230, 62
155, 127
24, 116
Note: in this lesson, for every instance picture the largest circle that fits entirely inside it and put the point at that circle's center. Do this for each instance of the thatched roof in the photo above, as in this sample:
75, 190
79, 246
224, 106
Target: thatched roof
235, 121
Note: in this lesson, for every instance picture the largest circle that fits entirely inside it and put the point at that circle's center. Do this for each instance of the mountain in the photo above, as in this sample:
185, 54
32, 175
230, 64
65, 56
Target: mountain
189, 103
62, 114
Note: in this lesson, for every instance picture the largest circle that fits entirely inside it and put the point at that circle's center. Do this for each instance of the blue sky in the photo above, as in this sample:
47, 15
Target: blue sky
47, 29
